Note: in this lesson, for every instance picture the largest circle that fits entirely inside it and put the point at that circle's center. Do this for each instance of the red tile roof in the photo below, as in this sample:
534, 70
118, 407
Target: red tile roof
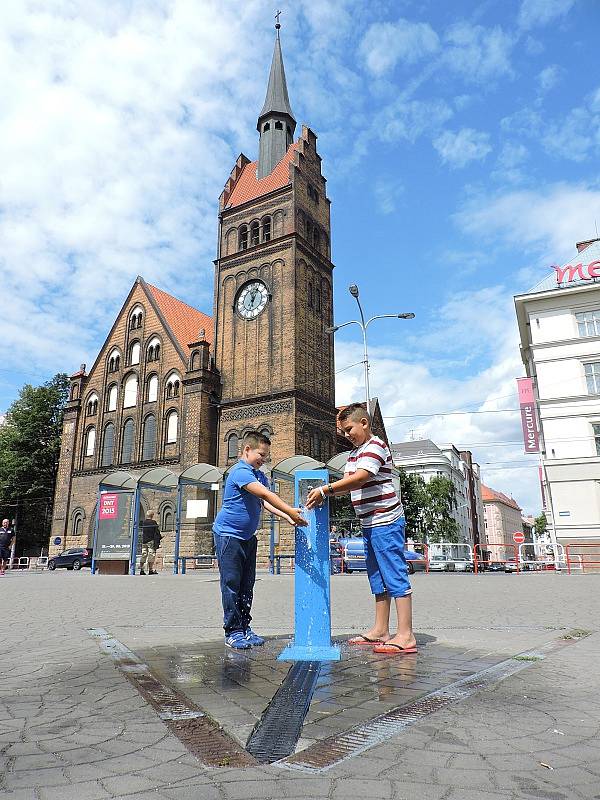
492, 496
249, 187
185, 322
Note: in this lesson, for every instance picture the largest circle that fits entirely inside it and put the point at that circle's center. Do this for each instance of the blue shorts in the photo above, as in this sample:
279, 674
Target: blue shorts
386, 562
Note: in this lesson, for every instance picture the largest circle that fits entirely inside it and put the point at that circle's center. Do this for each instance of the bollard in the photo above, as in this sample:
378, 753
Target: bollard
312, 594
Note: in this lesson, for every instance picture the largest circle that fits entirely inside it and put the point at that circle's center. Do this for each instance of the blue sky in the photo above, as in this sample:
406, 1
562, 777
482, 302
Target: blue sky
460, 142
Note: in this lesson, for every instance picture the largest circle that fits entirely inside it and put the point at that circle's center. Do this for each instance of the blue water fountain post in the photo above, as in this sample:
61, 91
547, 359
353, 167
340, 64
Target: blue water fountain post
312, 607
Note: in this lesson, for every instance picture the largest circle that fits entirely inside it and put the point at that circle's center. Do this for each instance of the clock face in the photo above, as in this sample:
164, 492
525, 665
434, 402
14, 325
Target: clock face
252, 299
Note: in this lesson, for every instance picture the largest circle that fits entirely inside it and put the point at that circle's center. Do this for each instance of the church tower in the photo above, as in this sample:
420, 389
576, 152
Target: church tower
274, 290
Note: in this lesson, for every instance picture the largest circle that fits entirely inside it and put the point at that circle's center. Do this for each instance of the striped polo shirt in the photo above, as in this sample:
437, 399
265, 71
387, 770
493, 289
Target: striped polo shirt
376, 502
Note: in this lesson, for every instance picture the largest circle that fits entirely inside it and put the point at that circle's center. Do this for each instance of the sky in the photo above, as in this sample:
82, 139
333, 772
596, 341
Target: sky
460, 143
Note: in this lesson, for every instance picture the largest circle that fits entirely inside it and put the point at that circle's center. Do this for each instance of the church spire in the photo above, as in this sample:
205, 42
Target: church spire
276, 123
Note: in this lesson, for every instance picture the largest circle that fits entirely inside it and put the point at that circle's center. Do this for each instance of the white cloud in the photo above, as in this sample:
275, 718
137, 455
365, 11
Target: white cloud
512, 157
541, 12
547, 221
386, 194
479, 54
458, 148
386, 43
548, 77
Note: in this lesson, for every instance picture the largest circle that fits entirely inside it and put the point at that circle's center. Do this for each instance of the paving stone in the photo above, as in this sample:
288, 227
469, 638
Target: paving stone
129, 784
86, 790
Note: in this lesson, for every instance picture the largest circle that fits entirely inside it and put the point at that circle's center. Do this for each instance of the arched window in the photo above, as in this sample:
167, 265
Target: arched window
91, 408
232, 446
310, 296
243, 238
130, 394
108, 445
127, 444
195, 360
167, 518
153, 351
266, 127
278, 126
112, 398
74, 391
266, 229
152, 388
172, 425
90, 442
149, 441
318, 300
135, 317
77, 522
254, 234
134, 353
316, 239
173, 386
114, 361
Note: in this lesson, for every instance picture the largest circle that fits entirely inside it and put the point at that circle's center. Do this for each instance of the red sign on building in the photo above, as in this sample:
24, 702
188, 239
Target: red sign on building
531, 437
109, 506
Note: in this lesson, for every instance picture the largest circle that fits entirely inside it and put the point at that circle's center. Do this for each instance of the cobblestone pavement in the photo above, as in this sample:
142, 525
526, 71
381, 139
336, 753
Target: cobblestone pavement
73, 726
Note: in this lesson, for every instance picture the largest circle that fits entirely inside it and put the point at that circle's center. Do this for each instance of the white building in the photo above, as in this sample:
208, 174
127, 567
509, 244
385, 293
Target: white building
559, 325
425, 458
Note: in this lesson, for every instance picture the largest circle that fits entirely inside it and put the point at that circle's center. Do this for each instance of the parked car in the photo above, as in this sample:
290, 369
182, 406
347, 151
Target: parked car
74, 558
441, 564
495, 566
353, 551
463, 565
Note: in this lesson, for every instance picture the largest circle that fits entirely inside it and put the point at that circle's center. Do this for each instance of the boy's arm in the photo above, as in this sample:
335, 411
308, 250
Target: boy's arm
258, 490
271, 509
346, 484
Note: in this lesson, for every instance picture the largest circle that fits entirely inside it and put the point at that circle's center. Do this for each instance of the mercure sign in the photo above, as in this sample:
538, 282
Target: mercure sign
580, 272
531, 438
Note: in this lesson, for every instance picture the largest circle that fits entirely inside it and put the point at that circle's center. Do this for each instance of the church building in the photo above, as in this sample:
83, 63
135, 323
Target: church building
173, 386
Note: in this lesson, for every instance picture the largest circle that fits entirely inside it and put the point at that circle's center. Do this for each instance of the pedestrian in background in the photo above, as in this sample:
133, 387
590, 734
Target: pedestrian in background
6, 537
151, 539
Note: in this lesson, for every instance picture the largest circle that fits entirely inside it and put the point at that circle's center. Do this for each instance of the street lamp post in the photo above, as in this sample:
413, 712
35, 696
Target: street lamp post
353, 289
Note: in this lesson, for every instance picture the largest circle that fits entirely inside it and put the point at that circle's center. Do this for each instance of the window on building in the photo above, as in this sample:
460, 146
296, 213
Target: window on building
108, 445
134, 353
254, 234
114, 361
596, 427
309, 230
172, 424
592, 377
318, 300
266, 229
90, 442
77, 523
173, 386
243, 238
167, 518
153, 351
135, 318
127, 445
310, 296
149, 440
92, 406
278, 126
112, 398
588, 323
152, 388
266, 127
232, 446
316, 239
130, 394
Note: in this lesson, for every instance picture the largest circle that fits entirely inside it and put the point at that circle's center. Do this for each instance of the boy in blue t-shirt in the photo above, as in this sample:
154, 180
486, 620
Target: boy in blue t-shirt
245, 495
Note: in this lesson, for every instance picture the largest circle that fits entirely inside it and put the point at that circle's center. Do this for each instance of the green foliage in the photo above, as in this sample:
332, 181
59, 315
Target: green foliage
415, 500
29, 452
438, 522
540, 524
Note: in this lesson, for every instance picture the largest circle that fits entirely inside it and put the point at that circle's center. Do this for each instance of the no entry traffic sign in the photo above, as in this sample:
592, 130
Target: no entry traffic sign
518, 537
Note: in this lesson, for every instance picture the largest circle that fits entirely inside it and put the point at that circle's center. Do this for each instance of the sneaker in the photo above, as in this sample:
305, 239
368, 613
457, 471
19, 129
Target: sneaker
253, 638
237, 641
142, 572
152, 573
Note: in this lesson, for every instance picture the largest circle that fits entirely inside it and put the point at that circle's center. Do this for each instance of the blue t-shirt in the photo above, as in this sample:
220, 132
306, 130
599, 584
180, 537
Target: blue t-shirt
240, 513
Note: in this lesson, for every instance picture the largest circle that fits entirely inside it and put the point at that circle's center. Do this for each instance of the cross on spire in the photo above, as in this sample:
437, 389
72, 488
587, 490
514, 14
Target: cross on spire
277, 23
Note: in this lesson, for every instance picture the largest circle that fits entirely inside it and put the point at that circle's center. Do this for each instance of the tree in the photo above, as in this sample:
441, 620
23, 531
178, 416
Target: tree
440, 525
29, 452
540, 524
414, 499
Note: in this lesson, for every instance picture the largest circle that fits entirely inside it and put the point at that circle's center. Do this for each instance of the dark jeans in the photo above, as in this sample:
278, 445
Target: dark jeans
237, 566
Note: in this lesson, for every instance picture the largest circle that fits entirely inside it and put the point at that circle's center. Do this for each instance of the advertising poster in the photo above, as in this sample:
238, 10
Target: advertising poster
528, 419
113, 539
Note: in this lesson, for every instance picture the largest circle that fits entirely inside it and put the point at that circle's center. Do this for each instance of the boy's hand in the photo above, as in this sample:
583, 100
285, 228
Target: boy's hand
314, 499
296, 516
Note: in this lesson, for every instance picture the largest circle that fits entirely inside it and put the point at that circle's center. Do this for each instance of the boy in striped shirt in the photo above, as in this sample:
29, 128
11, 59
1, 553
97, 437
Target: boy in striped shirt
368, 478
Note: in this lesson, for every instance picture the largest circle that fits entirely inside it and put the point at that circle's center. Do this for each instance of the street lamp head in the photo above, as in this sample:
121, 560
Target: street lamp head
353, 289
407, 315
331, 330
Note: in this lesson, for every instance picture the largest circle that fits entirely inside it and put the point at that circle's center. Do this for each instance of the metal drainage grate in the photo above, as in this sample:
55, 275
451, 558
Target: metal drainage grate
326, 753
276, 734
200, 734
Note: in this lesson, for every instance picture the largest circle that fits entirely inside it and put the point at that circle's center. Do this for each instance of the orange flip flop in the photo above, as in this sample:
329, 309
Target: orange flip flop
364, 641
393, 649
